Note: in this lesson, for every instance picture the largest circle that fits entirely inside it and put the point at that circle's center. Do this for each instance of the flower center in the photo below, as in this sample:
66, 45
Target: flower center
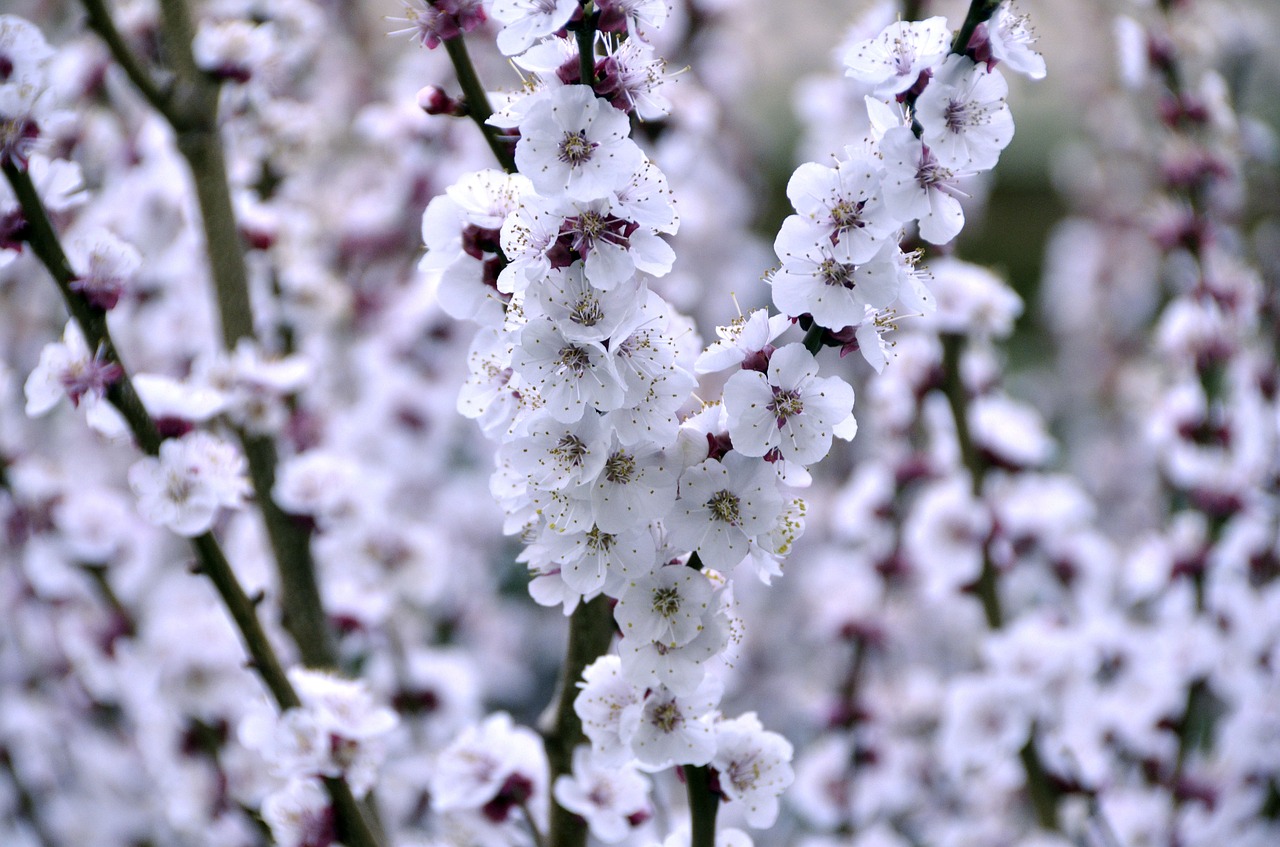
178, 487
587, 311
666, 717
847, 215
725, 506
666, 601
575, 148
960, 115
930, 173
599, 541
570, 451
574, 359
744, 774
620, 467
785, 405
836, 273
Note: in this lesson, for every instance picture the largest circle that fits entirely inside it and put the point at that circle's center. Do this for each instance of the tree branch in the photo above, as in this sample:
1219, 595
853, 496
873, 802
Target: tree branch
703, 805
590, 633
478, 108
38, 232
191, 107
101, 22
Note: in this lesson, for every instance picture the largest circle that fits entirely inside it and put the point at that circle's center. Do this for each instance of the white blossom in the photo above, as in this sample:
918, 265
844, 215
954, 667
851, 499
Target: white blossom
573, 144
525, 21
965, 117
723, 504
191, 479
667, 729
754, 767
605, 704
571, 376
891, 62
790, 408
918, 187
1011, 37
844, 202
606, 796
818, 278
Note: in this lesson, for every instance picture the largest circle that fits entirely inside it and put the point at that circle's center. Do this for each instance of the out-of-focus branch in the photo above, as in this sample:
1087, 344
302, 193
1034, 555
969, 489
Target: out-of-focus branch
38, 232
101, 22
26, 810
974, 461
191, 106
1040, 789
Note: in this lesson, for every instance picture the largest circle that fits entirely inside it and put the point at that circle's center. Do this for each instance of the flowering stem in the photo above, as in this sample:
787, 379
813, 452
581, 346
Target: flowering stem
477, 101
100, 21
353, 825
38, 232
290, 541
213, 564
191, 106
703, 805
590, 633
1041, 791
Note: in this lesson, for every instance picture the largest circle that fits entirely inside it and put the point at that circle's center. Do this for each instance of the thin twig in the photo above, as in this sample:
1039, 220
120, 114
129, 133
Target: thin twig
101, 22
478, 108
38, 232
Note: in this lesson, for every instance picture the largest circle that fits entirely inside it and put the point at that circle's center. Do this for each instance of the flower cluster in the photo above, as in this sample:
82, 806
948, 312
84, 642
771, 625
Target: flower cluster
338, 731
616, 480
937, 117
1031, 606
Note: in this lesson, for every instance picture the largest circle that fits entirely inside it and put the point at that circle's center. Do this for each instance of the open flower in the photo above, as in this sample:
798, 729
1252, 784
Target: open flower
576, 145
965, 117
723, 505
790, 408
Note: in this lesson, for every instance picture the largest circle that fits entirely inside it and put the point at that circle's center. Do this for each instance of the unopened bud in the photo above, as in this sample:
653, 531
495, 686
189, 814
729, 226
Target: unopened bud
434, 101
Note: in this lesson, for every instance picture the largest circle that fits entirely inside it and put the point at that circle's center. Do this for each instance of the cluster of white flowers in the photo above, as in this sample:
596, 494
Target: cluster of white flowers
617, 480
186, 485
936, 117
338, 731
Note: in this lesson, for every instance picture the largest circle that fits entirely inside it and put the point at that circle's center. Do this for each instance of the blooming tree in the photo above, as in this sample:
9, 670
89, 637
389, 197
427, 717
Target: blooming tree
379, 376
